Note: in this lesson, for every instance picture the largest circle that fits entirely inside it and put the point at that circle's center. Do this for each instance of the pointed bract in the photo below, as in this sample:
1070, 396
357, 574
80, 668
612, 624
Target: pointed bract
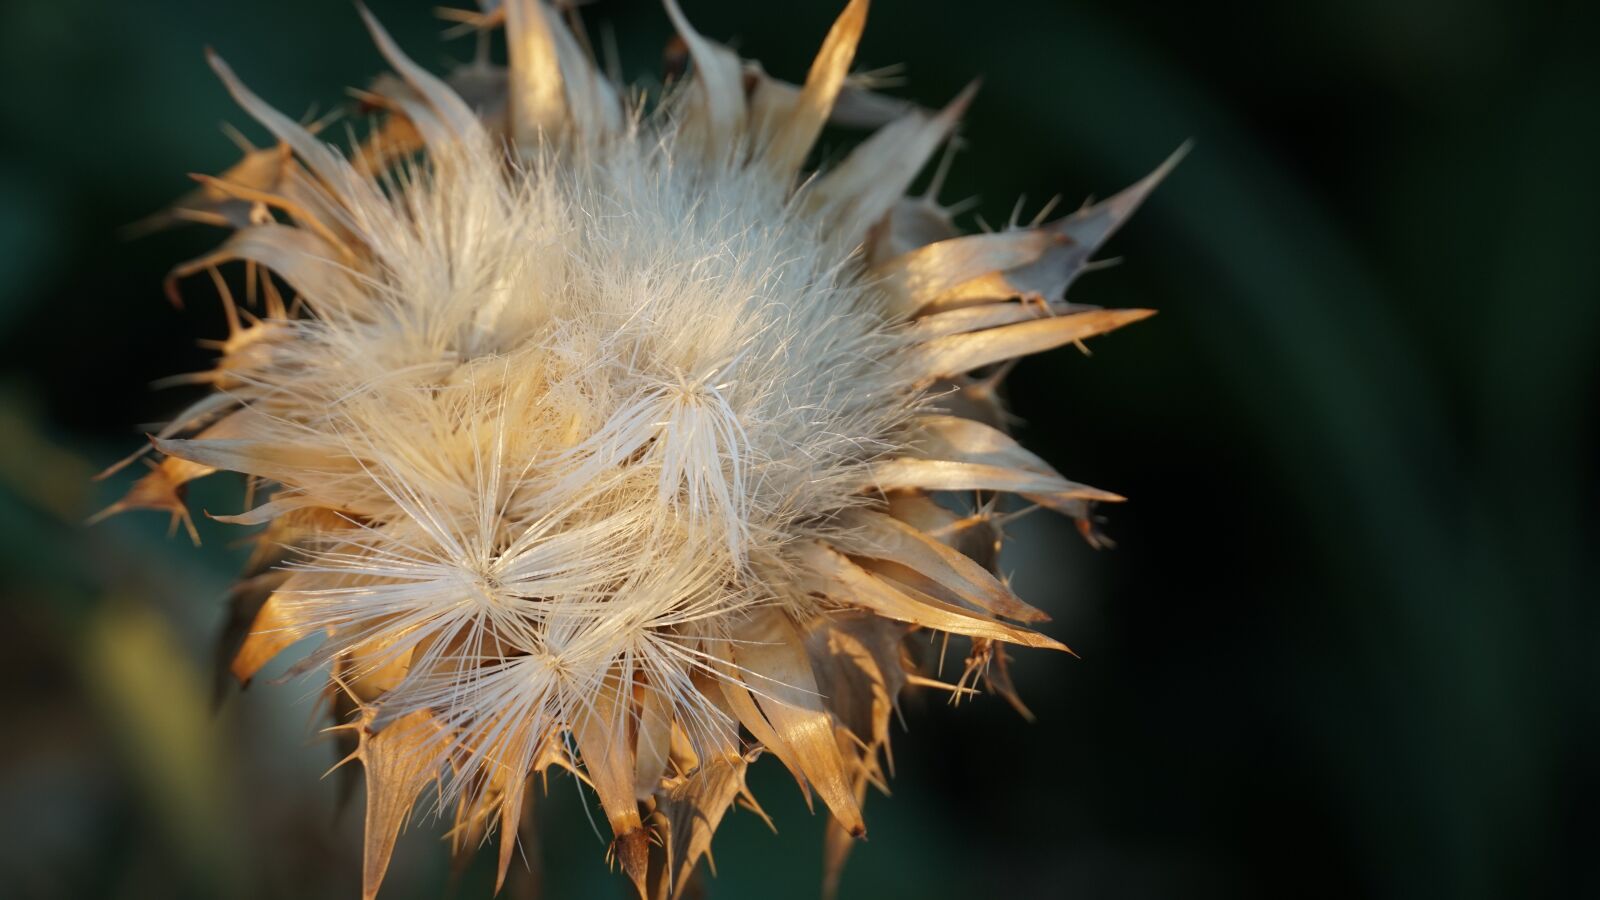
398, 761
794, 135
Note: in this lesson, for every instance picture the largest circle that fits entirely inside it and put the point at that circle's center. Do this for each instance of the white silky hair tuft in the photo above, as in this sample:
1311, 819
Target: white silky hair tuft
587, 406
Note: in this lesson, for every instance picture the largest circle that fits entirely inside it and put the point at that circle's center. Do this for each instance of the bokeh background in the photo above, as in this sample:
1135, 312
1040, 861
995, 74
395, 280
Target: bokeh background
1345, 645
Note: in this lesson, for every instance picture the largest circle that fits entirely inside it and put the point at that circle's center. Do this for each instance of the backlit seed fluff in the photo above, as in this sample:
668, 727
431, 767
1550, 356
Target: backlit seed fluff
593, 430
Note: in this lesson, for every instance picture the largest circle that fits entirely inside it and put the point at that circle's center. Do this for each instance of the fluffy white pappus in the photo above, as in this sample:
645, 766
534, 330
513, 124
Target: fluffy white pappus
580, 405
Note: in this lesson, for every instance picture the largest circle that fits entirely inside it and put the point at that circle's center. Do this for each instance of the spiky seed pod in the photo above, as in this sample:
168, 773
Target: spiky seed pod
604, 436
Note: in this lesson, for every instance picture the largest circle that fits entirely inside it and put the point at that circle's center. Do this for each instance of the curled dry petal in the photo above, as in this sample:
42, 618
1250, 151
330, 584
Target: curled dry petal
719, 86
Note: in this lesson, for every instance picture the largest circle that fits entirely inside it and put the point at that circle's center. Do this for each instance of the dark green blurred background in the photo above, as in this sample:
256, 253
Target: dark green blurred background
1344, 648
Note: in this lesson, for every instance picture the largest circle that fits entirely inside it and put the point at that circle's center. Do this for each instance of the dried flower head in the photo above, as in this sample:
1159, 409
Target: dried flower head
600, 434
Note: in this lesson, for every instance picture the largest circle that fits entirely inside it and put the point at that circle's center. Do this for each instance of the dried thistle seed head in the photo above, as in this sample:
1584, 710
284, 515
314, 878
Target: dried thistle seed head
598, 434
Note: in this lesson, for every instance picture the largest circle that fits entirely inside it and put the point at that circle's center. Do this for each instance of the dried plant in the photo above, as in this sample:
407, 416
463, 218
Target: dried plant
600, 434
